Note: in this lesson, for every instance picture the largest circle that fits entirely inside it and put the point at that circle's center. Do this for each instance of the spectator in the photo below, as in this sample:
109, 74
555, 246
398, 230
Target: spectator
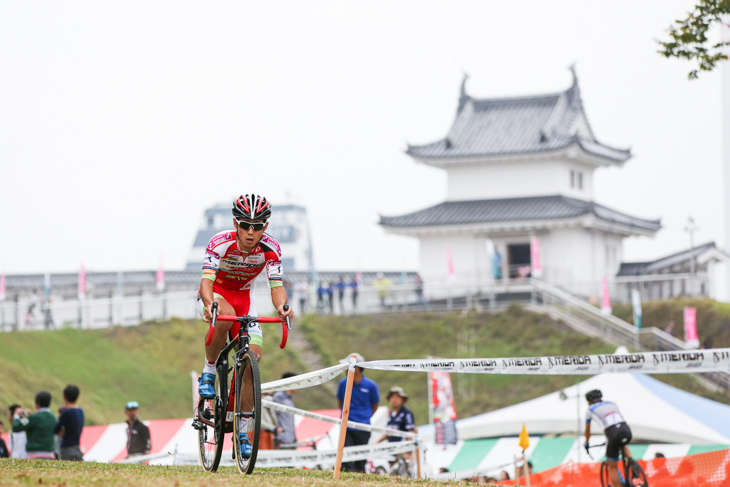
364, 401
503, 475
670, 328
353, 285
138, 435
521, 470
4, 453
268, 424
302, 289
70, 424
401, 418
341, 285
382, 285
707, 344
321, 291
34, 300
38, 428
18, 439
444, 470
286, 433
331, 296
419, 292
288, 288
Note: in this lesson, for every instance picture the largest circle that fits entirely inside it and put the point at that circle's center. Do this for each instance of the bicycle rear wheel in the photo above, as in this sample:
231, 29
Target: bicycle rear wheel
247, 407
637, 477
605, 478
210, 438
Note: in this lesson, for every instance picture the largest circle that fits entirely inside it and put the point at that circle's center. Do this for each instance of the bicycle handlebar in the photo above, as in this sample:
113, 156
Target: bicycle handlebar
285, 325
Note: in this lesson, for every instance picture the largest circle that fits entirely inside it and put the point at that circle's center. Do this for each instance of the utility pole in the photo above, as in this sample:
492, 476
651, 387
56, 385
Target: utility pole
691, 228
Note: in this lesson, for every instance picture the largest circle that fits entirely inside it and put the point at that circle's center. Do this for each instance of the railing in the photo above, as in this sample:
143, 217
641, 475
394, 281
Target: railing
589, 320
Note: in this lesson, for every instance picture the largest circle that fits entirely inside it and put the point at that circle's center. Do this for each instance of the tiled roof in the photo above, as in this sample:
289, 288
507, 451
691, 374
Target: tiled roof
513, 209
497, 126
653, 267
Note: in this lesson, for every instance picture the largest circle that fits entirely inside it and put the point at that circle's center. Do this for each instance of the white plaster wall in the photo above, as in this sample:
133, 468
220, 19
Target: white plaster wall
517, 179
469, 255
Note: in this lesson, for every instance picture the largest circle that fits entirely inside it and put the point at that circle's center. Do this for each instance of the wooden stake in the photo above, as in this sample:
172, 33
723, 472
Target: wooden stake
345, 415
417, 452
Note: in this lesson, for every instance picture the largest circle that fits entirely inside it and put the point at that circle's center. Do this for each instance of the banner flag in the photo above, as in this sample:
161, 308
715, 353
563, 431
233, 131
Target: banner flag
2, 288
605, 298
690, 327
636, 302
535, 258
160, 278
524, 439
443, 407
450, 262
82, 283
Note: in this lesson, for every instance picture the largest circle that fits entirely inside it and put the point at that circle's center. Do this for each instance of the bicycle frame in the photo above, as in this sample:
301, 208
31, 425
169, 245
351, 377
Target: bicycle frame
226, 402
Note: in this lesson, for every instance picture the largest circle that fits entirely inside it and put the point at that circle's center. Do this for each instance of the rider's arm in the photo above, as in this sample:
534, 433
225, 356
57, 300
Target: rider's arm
206, 294
276, 282
588, 430
279, 298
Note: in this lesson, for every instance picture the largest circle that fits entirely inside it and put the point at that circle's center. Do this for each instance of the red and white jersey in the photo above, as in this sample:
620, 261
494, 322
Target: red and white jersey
232, 269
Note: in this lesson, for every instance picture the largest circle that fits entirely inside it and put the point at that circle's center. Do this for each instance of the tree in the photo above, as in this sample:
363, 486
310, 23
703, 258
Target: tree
689, 36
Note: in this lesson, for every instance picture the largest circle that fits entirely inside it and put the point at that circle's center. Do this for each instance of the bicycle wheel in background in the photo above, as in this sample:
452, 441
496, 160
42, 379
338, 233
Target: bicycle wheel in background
210, 438
605, 477
248, 400
637, 477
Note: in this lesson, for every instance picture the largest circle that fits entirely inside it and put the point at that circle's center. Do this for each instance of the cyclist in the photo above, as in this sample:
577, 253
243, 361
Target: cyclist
232, 261
618, 433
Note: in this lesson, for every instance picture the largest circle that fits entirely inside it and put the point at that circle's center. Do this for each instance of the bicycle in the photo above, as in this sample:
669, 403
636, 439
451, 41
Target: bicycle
222, 414
633, 474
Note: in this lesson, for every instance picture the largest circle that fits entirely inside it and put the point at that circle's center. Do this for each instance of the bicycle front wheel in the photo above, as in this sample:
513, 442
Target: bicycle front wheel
637, 477
248, 410
210, 432
605, 477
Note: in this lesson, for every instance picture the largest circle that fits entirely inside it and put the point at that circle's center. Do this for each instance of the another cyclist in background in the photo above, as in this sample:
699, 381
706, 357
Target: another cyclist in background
618, 433
232, 261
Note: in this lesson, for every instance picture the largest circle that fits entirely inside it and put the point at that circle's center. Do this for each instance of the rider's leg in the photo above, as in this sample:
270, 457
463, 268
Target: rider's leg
613, 473
627, 452
220, 336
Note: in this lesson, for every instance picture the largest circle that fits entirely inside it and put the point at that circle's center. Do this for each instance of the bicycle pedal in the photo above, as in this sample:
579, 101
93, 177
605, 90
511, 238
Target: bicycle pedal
208, 414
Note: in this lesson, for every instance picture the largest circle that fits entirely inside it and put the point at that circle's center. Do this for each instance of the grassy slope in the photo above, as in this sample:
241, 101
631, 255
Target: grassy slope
513, 333
72, 474
151, 363
713, 318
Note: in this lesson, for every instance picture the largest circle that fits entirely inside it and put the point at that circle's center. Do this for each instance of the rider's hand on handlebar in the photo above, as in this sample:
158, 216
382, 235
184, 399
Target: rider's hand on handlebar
585, 445
283, 314
207, 315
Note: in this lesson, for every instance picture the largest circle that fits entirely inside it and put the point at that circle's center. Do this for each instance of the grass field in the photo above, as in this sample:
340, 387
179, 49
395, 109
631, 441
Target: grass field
151, 363
67, 474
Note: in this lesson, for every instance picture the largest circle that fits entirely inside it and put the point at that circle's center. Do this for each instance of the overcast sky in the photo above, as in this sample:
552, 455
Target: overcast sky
120, 122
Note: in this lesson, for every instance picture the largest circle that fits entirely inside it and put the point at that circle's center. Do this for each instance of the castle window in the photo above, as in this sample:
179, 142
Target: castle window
580, 180
572, 178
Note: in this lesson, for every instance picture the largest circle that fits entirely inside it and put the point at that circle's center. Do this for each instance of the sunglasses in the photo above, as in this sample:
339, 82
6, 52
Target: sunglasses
257, 227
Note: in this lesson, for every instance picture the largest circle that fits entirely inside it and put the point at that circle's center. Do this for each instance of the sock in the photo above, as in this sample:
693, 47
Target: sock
209, 367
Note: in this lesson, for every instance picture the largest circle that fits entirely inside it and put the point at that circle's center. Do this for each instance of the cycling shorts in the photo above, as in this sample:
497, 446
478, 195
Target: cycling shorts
617, 436
243, 305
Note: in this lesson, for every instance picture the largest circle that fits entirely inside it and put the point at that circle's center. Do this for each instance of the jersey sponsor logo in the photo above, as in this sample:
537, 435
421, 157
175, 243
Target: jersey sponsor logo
256, 259
270, 242
211, 254
219, 239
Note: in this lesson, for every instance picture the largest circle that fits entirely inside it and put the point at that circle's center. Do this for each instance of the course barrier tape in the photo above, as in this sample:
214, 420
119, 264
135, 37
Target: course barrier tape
328, 419
714, 360
310, 379
296, 458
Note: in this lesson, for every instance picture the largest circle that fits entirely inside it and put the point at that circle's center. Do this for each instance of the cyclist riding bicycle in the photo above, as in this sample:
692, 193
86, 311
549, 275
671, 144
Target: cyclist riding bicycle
233, 260
618, 433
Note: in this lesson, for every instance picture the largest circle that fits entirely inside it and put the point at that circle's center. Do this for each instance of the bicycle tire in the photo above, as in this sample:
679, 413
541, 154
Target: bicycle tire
605, 476
245, 405
635, 472
210, 452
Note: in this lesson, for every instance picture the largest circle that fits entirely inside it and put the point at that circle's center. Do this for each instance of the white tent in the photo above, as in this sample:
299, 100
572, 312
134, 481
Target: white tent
655, 411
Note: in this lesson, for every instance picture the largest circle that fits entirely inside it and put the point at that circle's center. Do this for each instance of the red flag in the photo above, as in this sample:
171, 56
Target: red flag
2, 287
606, 299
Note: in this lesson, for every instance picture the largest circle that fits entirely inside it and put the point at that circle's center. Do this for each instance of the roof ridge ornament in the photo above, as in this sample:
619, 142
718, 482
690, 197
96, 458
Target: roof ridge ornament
463, 97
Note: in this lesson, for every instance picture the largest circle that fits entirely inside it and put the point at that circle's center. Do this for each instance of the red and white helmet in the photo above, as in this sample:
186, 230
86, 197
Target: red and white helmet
251, 207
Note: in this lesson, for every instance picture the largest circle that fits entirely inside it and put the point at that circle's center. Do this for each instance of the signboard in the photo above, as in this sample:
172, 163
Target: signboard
443, 407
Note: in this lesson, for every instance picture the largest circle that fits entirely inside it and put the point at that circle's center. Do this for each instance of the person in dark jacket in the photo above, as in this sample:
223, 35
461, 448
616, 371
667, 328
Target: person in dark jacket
286, 433
70, 425
38, 428
4, 453
138, 435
